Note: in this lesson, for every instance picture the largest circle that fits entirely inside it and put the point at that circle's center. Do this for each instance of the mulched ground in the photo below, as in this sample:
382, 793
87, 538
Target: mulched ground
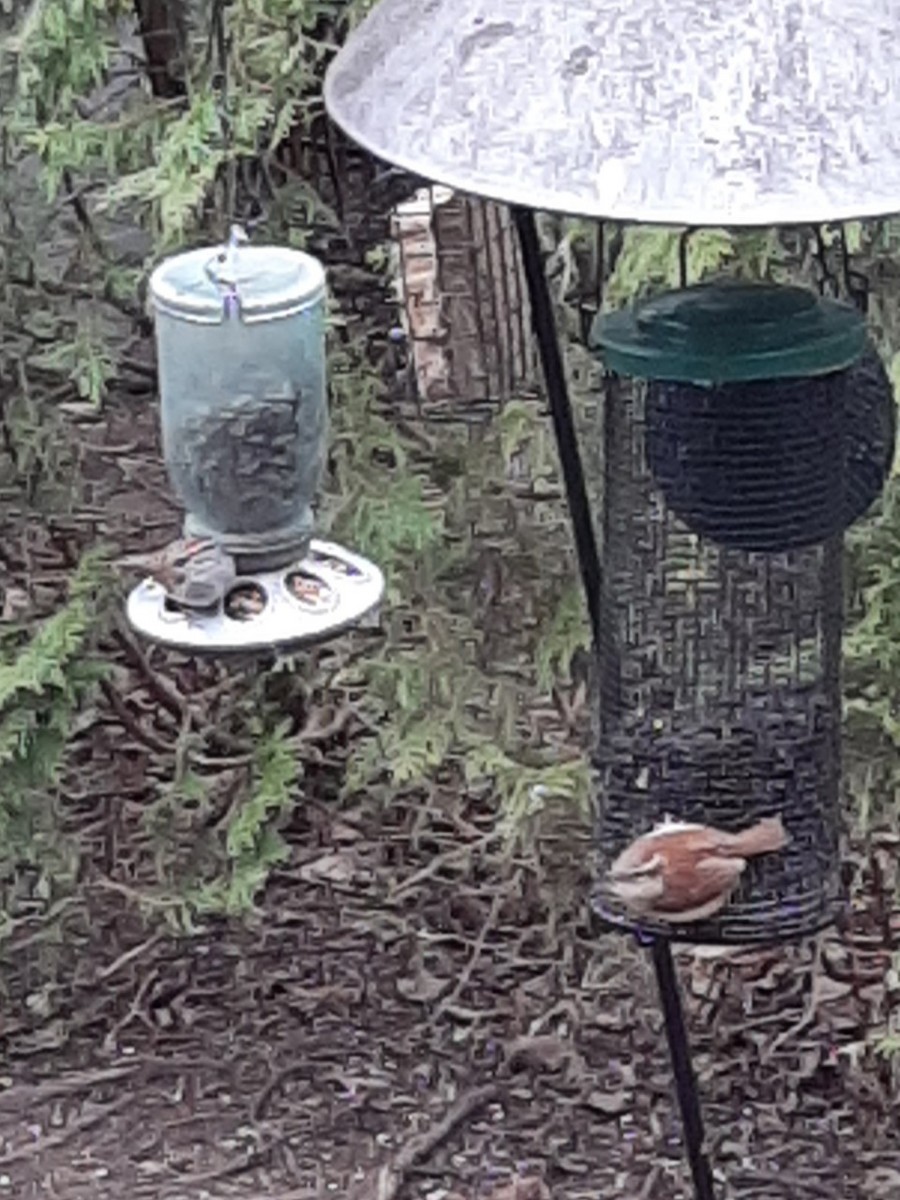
410, 1012
444, 1026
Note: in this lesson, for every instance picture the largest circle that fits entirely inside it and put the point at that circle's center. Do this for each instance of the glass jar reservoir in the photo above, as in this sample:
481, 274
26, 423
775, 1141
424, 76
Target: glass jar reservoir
241, 343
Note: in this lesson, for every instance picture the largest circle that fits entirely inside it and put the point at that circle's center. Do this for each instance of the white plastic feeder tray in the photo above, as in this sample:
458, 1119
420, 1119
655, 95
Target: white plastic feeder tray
312, 600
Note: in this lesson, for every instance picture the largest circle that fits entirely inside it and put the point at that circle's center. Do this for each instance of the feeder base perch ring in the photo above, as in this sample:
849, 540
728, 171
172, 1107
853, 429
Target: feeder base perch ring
312, 600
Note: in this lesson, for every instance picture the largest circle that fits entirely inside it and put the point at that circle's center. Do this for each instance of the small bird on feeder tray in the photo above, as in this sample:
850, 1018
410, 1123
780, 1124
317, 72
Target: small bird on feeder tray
196, 573
680, 872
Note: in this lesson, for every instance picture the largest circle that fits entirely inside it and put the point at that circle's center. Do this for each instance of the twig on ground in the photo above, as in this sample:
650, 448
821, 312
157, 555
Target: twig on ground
792, 1183
291, 1071
291, 1194
472, 961
23, 1097
128, 956
314, 731
810, 1010
650, 1183
83, 1123
167, 696
247, 1162
442, 860
141, 898
393, 1175
130, 722
135, 1010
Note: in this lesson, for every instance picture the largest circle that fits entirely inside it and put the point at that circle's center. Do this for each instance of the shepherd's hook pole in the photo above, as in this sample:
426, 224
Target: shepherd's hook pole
685, 1080
589, 565
561, 412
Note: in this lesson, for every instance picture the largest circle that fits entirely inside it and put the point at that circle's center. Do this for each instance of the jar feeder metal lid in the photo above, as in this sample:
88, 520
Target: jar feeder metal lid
268, 282
731, 332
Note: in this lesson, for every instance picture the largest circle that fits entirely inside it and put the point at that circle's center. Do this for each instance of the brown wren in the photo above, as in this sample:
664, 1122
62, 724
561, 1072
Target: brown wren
681, 872
196, 573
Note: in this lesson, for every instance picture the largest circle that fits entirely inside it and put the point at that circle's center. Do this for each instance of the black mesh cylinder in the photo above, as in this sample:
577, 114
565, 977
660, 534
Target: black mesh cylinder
772, 464
755, 465
719, 689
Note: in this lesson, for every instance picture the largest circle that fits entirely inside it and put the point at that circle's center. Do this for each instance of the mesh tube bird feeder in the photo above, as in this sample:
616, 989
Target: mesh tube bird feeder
711, 567
745, 428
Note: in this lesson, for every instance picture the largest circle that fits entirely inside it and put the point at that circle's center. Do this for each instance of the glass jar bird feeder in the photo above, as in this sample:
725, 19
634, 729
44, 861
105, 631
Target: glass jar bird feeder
713, 584
240, 333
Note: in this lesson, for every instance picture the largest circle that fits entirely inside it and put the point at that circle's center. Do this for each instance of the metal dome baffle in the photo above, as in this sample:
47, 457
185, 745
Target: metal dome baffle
241, 345
663, 111
748, 113
746, 426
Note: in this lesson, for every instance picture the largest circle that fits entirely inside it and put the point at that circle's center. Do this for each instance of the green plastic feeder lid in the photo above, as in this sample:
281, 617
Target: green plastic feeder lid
730, 332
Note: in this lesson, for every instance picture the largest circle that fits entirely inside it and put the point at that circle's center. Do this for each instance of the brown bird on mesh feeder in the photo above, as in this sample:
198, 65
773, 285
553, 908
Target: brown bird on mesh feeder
195, 572
679, 872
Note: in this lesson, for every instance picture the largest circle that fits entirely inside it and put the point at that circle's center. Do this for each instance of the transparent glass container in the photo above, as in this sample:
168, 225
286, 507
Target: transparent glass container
240, 334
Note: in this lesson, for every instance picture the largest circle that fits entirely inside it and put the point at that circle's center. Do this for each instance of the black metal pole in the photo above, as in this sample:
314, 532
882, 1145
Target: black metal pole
589, 565
685, 1080
561, 412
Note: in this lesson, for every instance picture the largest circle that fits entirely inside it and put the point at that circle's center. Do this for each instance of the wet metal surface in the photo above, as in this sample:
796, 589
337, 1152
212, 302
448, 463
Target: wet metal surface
700, 112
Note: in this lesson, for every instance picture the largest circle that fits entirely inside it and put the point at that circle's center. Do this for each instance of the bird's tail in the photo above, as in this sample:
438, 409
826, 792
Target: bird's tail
765, 837
178, 553
137, 562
